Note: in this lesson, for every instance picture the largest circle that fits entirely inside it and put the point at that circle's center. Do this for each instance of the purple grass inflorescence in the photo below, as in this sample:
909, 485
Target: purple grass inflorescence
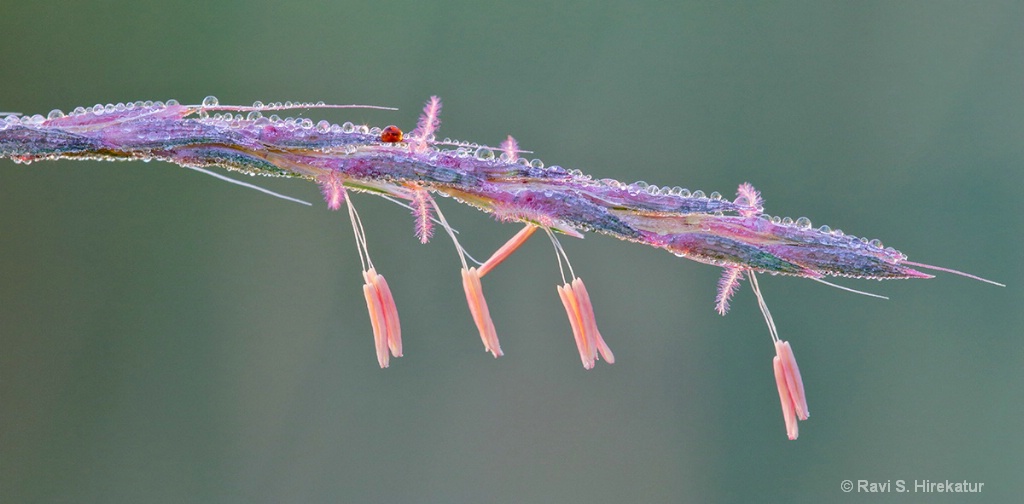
735, 235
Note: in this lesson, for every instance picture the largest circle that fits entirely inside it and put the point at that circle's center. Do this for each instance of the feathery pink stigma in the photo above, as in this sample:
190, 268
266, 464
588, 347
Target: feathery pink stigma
727, 286
747, 195
428, 123
421, 211
510, 148
791, 388
387, 332
584, 328
478, 308
333, 190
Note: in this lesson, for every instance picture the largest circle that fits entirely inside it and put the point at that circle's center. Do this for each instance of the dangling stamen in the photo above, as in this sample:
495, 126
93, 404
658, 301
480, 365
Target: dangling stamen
787, 373
387, 331
580, 311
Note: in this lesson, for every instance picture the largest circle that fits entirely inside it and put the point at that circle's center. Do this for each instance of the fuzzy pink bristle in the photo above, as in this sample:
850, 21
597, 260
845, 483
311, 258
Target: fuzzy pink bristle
511, 148
752, 198
727, 286
333, 190
429, 121
421, 205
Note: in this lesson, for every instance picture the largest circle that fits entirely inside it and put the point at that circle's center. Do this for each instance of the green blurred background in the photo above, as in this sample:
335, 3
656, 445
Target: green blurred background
166, 337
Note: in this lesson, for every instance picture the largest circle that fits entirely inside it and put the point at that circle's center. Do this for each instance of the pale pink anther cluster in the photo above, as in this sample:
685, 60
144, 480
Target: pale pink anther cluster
791, 388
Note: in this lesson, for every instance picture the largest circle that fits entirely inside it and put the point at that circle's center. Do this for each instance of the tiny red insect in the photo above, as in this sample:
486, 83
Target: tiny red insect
391, 134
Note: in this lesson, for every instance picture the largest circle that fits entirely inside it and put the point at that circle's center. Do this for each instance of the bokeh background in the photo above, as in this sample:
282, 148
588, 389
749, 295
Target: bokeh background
166, 337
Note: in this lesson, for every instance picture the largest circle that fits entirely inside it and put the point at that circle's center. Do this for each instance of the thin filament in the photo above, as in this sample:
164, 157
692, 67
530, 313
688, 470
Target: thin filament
855, 291
560, 254
360, 234
953, 271
246, 184
448, 229
763, 306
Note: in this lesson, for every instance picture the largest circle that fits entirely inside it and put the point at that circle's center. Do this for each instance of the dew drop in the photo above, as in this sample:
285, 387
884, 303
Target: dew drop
484, 154
203, 114
306, 123
320, 104
97, 109
172, 103
78, 111
837, 232
348, 127
684, 192
698, 194
876, 243
641, 184
652, 189
211, 101
716, 195
825, 229
364, 129
323, 126
254, 115
536, 163
776, 219
109, 108
786, 221
803, 223
55, 114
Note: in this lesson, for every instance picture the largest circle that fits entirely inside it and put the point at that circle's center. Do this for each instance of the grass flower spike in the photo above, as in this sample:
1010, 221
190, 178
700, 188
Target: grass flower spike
735, 235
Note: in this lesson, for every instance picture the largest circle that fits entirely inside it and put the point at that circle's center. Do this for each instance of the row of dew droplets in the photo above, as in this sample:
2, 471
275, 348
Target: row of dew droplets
641, 186
804, 223
98, 109
256, 117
